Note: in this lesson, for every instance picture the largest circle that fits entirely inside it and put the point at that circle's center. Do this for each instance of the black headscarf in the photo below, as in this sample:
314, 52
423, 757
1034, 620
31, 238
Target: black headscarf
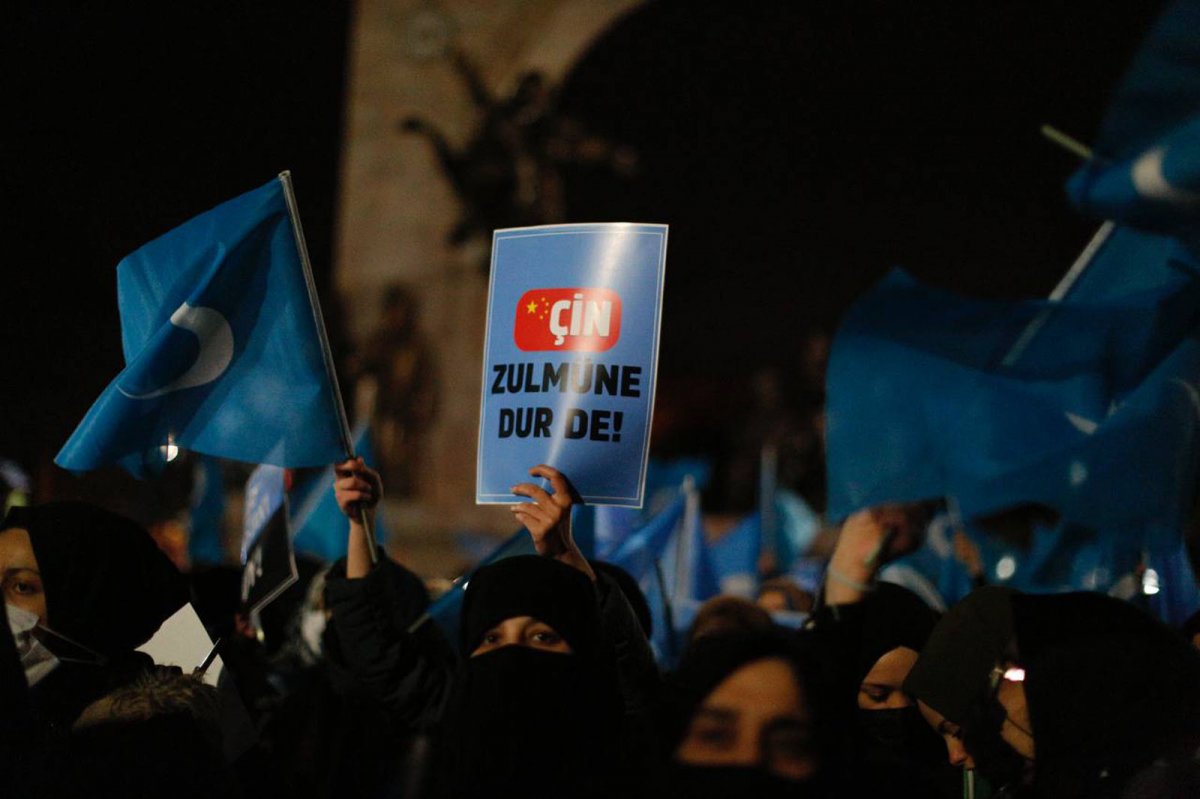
531, 585
107, 584
528, 722
954, 667
859, 634
707, 663
890, 749
1109, 689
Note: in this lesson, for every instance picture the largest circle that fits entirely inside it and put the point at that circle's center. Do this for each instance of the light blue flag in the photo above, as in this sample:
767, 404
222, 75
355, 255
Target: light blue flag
607, 527
645, 555
735, 557
640, 551
686, 560
319, 528
207, 514
222, 352
1098, 420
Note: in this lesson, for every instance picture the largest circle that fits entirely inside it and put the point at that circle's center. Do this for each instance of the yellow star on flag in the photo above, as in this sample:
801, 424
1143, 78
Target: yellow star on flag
531, 308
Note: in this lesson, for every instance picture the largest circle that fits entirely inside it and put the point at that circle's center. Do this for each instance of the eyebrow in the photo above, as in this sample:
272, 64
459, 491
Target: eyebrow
721, 714
15, 569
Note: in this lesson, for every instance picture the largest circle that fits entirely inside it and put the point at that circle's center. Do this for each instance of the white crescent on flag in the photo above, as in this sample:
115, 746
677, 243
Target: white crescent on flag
1150, 182
216, 350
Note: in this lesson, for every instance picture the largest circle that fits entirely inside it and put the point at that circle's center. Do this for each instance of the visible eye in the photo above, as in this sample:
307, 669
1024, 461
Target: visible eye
876, 693
492, 637
547, 637
713, 734
23, 583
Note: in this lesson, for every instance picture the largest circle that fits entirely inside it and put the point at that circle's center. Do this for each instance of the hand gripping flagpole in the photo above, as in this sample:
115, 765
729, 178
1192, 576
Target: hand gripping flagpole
285, 178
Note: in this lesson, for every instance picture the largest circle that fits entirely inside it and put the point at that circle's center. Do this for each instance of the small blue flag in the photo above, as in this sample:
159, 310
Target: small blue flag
644, 554
735, 557
222, 352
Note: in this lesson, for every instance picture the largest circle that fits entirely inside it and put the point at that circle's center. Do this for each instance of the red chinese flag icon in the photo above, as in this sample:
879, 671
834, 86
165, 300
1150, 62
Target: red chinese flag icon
568, 320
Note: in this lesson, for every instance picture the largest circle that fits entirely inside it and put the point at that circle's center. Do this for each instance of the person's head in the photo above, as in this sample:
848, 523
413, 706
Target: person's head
20, 577
532, 602
91, 576
742, 711
534, 674
163, 691
954, 667
723, 615
873, 645
1093, 690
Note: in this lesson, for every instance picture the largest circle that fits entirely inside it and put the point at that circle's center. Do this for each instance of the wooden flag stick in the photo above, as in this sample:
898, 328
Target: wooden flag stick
285, 178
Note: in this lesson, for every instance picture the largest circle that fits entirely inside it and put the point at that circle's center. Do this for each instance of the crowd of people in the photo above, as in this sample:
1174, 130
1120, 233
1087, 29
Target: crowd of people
550, 687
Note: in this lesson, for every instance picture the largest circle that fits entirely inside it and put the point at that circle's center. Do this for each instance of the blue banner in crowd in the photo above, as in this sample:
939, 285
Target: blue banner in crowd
221, 350
571, 358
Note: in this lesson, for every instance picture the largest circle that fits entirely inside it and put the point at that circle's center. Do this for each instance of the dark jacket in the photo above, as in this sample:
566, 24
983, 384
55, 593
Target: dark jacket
412, 673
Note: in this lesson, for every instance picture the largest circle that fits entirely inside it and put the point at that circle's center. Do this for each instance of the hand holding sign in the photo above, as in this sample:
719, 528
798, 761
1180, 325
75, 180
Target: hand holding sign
548, 518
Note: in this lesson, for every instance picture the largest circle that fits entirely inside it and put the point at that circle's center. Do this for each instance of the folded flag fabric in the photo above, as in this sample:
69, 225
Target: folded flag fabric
223, 354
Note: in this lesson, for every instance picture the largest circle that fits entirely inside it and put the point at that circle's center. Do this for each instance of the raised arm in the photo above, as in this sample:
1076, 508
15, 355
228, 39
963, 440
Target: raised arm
358, 489
547, 517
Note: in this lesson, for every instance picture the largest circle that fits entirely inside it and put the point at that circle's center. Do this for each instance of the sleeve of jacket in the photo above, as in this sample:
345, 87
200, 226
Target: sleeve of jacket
409, 673
636, 670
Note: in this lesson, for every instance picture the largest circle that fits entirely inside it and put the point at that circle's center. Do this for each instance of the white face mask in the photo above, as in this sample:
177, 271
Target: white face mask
36, 659
312, 626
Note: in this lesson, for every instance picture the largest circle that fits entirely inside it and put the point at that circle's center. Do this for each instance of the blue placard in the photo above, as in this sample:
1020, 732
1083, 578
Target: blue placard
264, 496
570, 358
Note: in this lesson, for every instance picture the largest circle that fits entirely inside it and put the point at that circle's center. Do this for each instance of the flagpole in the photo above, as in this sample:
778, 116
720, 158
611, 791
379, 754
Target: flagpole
1077, 268
285, 177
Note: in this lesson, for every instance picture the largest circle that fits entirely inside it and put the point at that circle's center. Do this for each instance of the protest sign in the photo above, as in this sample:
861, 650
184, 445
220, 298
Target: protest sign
268, 564
570, 358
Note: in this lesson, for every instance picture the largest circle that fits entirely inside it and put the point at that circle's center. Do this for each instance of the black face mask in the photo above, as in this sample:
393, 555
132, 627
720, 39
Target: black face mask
525, 719
734, 782
902, 734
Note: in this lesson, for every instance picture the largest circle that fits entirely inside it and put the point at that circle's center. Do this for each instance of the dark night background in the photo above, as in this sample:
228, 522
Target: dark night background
797, 150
